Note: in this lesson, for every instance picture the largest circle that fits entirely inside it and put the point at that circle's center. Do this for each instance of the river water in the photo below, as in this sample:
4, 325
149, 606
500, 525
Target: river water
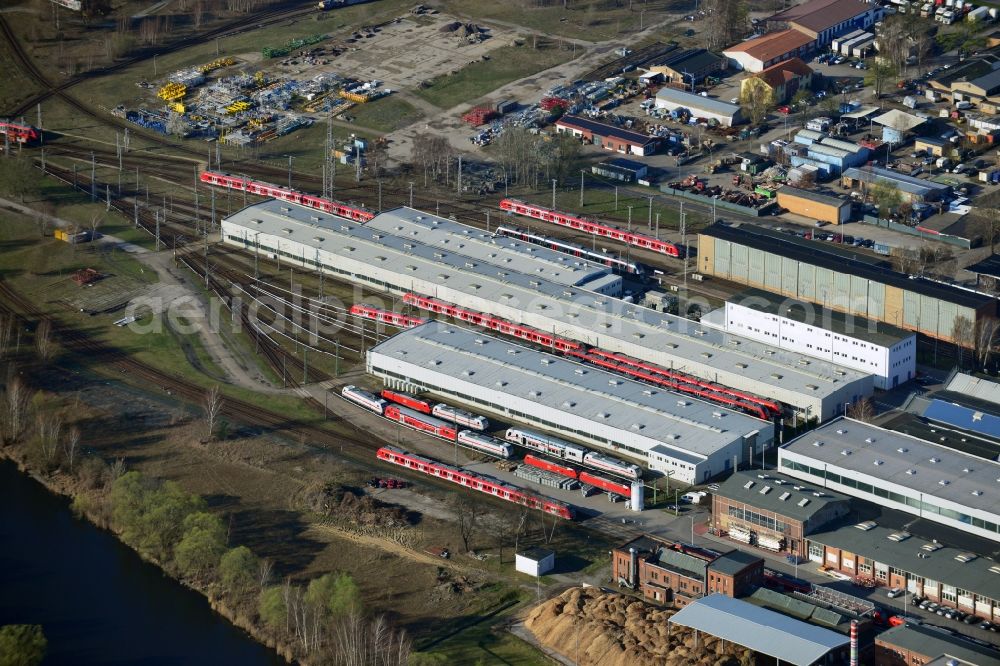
96, 600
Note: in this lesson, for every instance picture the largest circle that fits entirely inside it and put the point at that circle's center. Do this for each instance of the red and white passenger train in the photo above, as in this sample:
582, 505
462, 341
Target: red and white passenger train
474, 481
16, 133
591, 227
584, 477
286, 194
414, 419
730, 398
397, 319
557, 448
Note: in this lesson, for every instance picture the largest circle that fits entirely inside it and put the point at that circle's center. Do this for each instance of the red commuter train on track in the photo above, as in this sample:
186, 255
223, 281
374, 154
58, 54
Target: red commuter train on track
286, 194
730, 398
397, 319
591, 227
16, 133
483, 484
414, 419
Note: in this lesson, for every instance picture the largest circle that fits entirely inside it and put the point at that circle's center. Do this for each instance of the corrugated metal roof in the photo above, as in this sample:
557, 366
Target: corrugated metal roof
901, 181
654, 336
975, 387
820, 15
818, 197
771, 45
759, 629
695, 102
683, 425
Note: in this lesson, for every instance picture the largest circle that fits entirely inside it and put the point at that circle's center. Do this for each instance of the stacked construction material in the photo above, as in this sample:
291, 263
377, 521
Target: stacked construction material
545, 478
479, 115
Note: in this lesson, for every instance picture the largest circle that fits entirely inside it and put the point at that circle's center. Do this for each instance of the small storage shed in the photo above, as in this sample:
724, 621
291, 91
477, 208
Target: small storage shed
535, 561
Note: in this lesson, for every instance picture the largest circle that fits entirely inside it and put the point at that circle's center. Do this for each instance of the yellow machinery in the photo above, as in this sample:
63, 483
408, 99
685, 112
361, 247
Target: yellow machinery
216, 64
357, 98
172, 92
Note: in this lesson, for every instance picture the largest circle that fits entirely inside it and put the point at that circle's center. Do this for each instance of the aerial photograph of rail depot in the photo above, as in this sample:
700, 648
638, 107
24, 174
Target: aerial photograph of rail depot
514, 333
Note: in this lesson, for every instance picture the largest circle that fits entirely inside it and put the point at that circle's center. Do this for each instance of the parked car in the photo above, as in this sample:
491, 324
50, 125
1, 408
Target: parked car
958, 169
971, 619
895, 592
785, 109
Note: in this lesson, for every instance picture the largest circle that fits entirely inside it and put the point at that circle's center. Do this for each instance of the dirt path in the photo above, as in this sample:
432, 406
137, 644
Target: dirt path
527, 90
392, 547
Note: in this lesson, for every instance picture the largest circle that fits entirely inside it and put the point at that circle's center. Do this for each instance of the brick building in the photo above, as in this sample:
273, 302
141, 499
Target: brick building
912, 645
609, 137
677, 574
772, 512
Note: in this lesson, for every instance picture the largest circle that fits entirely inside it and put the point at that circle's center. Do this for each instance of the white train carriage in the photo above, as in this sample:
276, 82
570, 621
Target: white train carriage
460, 416
485, 443
364, 398
612, 465
552, 446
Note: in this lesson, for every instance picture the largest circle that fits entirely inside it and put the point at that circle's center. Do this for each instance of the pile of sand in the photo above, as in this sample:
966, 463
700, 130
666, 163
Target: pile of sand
595, 628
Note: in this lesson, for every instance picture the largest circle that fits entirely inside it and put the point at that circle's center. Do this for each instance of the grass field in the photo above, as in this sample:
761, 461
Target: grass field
385, 114
506, 64
588, 20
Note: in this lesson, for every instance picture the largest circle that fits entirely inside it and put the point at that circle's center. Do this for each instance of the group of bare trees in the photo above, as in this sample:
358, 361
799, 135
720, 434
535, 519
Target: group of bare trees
528, 158
726, 21
977, 341
325, 620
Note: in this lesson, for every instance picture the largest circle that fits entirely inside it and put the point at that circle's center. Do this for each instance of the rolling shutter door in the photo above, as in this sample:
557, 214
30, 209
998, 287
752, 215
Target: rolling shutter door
824, 285
740, 263
722, 261
859, 295
911, 309
807, 282
928, 314
789, 277
755, 271
841, 290
876, 300
772, 272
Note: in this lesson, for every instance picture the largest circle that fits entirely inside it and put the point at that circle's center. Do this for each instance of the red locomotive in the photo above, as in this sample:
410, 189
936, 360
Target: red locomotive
407, 400
483, 484
16, 133
605, 484
594, 228
561, 470
397, 319
286, 194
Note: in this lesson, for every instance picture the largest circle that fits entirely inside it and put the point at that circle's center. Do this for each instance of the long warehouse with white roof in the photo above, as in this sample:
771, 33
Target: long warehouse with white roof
899, 472
690, 439
400, 252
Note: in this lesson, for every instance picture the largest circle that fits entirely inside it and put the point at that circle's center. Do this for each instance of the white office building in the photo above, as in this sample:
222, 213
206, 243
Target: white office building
561, 296
690, 440
887, 352
901, 472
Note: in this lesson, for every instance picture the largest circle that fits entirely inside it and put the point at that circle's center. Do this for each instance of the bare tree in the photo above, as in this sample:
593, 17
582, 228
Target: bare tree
266, 570
213, 406
43, 340
468, 520
116, 469
863, 410
522, 519
15, 405
49, 426
986, 337
963, 334
72, 446
7, 323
